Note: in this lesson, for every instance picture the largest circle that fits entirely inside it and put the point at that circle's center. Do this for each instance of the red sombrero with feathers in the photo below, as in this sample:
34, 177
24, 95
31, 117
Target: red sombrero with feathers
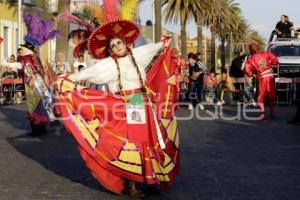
112, 18
125, 29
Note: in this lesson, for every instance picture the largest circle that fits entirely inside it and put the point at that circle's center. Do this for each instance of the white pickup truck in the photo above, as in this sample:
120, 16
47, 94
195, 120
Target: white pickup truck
288, 53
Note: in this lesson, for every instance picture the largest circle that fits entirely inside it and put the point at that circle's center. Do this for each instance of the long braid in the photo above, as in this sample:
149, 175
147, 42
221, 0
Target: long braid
119, 74
124, 95
137, 68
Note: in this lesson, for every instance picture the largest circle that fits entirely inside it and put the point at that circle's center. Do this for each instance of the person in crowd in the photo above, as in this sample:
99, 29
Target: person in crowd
15, 65
250, 89
201, 64
20, 52
224, 84
9, 74
289, 23
237, 73
79, 62
184, 84
210, 84
261, 64
195, 81
236, 65
8, 86
11, 63
283, 27
61, 67
36, 79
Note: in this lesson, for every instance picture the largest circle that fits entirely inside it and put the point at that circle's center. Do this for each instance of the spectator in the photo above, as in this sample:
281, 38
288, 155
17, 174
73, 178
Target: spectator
210, 84
201, 63
61, 66
237, 73
20, 53
79, 62
12, 58
236, 70
196, 81
224, 84
16, 66
9, 74
288, 22
283, 27
8, 92
250, 88
184, 84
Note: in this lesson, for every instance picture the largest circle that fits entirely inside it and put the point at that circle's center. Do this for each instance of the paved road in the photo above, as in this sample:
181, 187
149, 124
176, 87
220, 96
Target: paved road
221, 159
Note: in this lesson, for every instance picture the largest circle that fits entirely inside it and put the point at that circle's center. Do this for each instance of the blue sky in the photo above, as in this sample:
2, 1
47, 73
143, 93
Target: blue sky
261, 14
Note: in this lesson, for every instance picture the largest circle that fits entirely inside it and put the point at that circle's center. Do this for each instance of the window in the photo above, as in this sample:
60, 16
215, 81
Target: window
285, 50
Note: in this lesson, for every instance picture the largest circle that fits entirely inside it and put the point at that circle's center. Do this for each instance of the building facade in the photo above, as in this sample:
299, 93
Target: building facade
9, 26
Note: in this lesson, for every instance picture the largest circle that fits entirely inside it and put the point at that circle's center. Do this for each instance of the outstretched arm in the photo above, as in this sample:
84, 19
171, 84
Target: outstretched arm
145, 54
102, 72
273, 60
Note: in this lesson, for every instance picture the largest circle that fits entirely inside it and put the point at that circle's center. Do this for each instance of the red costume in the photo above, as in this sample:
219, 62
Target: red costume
114, 142
260, 64
38, 97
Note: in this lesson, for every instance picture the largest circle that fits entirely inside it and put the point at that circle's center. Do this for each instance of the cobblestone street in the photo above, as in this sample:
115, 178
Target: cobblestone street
220, 160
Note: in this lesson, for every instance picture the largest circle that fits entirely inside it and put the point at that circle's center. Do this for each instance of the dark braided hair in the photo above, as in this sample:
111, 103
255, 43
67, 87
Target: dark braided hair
136, 66
133, 62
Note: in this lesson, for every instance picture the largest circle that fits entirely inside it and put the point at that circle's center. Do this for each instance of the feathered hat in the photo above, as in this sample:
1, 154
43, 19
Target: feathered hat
125, 29
118, 24
112, 18
38, 31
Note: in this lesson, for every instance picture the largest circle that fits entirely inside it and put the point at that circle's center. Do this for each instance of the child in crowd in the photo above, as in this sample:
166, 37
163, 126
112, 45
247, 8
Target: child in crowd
210, 84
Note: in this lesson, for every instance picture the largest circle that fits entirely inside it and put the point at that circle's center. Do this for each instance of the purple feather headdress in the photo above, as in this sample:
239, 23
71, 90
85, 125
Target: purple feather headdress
38, 31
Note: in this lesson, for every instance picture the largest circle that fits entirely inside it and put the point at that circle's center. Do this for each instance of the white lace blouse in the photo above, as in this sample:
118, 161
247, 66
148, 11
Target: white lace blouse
105, 71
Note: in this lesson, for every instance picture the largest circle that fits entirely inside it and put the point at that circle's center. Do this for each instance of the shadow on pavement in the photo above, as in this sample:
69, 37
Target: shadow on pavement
15, 115
57, 153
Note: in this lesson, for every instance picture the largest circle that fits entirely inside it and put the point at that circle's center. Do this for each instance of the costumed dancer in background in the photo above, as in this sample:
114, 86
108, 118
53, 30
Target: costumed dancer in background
36, 78
261, 64
128, 135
